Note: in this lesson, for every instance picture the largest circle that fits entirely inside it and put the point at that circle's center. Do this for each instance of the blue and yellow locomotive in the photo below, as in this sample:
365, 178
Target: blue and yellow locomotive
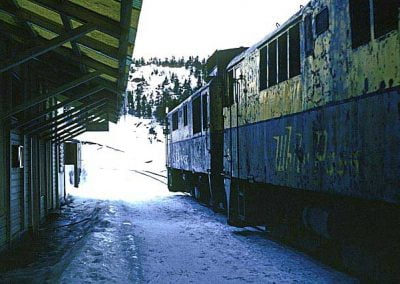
310, 128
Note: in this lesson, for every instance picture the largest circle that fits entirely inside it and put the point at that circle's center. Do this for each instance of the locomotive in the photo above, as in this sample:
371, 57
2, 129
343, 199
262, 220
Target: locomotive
302, 130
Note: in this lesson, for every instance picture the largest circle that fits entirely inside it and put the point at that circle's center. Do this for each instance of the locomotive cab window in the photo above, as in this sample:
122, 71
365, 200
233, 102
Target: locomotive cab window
196, 115
322, 21
386, 15
205, 112
175, 121
294, 51
272, 76
360, 22
282, 58
263, 69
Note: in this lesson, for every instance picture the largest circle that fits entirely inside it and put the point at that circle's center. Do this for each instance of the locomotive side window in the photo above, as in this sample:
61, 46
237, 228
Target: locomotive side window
185, 115
282, 58
175, 121
385, 16
196, 115
263, 68
308, 34
294, 51
322, 22
205, 112
272, 76
229, 99
360, 22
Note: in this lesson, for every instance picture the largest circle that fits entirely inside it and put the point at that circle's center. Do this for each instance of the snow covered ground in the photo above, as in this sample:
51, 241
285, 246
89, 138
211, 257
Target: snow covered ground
125, 227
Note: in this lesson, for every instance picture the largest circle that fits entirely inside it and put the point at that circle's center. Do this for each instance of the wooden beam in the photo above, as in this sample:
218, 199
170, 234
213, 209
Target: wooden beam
90, 92
110, 86
74, 130
14, 6
49, 46
75, 120
105, 69
75, 48
41, 98
72, 135
105, 24
42, 126
62, 51
55, 27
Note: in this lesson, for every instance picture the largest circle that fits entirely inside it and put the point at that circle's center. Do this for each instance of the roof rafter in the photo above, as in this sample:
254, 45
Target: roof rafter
48, 124
54, 27
105, 24
53, 133
90, 92
49, 46
41, 98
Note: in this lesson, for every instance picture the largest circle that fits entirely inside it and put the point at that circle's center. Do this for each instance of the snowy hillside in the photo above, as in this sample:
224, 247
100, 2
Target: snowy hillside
155, 85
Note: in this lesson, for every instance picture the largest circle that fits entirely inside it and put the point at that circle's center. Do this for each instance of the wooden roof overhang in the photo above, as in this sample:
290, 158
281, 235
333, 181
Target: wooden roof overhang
90, 43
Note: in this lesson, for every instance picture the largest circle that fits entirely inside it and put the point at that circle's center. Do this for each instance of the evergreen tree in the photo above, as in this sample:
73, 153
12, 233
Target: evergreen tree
143, 105
186, 89
138, 109
177, 88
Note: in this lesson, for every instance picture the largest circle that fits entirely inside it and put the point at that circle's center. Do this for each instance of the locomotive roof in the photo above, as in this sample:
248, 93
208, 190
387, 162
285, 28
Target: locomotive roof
189, 98
282, 27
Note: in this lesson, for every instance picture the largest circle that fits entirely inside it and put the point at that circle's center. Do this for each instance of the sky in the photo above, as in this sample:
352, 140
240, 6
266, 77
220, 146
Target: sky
199, 27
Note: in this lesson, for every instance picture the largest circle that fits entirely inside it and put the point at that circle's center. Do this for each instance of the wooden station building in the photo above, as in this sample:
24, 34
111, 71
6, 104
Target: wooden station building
64, 67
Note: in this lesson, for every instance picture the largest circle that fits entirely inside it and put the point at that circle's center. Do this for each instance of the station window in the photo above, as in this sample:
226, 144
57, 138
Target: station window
294, 51
263, 68
360, 22
322, 21
17, 156
272, 76
282, 58
185, 115
205, 112
196, 115
175, 121
308, 34
385, 16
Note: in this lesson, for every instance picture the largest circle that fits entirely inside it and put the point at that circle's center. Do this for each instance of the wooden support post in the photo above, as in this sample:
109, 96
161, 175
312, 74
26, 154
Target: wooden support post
35, 186
51, 45
126, 13
41, 98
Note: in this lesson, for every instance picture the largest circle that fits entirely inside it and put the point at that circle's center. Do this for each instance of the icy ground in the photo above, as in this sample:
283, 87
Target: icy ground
123, 226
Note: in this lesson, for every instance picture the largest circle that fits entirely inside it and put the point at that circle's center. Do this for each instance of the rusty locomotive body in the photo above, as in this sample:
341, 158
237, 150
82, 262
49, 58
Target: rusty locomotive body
311, 126
195, 139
